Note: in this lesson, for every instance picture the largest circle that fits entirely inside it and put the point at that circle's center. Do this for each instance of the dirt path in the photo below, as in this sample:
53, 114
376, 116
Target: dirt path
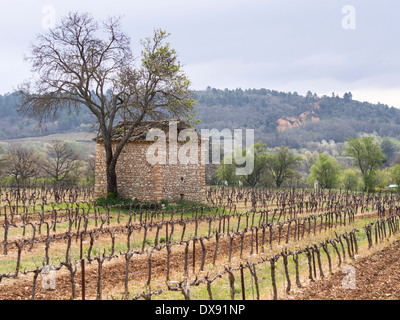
377, 277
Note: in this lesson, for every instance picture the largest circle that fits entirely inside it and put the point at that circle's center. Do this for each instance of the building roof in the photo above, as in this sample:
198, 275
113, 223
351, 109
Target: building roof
140, 132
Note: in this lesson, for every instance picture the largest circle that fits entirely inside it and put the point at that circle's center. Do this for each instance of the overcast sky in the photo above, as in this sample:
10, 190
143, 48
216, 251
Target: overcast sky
297, 45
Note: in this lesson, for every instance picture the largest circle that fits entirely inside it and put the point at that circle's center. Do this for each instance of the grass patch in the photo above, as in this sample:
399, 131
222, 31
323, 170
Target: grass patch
135, 204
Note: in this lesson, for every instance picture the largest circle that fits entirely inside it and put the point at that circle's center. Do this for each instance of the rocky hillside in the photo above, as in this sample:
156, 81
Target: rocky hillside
278, 118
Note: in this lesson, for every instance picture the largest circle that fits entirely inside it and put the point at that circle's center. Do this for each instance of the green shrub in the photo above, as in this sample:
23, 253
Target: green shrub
164, 202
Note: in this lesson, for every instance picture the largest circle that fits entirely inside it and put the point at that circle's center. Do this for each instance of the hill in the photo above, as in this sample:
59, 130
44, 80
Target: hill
278, 118
15, 126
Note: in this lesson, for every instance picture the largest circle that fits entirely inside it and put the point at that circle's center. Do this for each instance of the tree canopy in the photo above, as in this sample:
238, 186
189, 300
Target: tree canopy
367, 156
82, 63
281, 164
326, 171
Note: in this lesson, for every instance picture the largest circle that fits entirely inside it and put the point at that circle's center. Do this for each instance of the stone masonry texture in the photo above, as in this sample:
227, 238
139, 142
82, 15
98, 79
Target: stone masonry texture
137, 178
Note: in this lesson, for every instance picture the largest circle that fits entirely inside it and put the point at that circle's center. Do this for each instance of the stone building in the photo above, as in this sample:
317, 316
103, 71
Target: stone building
167, 166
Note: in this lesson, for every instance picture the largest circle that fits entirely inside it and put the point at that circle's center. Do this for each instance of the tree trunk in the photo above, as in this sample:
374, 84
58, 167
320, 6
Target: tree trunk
111, 179
111, 163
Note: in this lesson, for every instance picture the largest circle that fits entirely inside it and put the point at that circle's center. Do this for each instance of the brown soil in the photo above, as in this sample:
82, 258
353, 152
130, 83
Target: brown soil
113, 272
377, 277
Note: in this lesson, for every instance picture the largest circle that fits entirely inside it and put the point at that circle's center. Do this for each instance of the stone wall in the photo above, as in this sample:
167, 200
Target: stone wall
137, 178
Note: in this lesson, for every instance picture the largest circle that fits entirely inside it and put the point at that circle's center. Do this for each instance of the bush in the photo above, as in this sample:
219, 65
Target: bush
164, 202
351, 179
111, 195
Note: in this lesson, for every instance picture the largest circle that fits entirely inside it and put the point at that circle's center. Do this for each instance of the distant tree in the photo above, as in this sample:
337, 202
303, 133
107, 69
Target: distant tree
62, 160
350, 180
347, 96
326, 171
226, 172
22, 163
382, 178
90, 169
3, 161
259, 152
309, 159
388, 149
396, 175
281, 164
367, 156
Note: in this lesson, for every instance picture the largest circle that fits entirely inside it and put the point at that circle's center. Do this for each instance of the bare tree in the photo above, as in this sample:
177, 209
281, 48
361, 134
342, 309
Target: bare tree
3, 160
22, 163
90, 168
81, 63
62, 160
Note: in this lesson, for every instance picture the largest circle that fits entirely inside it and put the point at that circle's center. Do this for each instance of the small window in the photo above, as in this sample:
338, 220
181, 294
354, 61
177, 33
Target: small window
181, 178
182, 195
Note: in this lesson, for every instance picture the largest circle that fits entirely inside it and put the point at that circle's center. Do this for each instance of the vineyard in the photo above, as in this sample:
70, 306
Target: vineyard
57, 243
